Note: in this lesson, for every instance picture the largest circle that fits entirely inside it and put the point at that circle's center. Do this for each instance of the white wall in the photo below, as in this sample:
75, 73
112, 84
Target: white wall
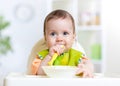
24, 34
111, 24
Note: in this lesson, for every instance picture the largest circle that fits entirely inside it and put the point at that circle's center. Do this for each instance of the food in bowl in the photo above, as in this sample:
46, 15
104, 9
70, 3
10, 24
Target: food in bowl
60, 71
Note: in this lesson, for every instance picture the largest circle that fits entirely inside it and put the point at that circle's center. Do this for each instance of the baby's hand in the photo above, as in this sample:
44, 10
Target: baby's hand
85, 69
59, 49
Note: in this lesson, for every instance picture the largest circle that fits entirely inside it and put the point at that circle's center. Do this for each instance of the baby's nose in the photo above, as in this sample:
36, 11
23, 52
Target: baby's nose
60, 38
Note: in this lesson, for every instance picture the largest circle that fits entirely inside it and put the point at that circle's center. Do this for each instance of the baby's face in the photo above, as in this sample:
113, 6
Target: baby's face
59, 32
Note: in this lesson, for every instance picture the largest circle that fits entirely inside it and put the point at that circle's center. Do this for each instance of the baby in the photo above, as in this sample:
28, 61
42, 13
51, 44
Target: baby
59, 35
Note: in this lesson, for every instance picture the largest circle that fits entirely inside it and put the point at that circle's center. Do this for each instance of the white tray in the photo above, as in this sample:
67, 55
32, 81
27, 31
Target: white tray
19, 79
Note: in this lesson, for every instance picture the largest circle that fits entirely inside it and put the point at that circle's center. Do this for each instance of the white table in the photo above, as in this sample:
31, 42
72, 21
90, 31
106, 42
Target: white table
17, 79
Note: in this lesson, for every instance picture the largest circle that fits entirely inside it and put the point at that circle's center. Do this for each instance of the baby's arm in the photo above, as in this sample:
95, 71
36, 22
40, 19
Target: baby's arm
44, 62
36, 67
86, 68
54, 49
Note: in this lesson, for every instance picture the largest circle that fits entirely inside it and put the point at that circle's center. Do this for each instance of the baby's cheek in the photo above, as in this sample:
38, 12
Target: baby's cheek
68, 47
70, 43
49, 45
50, 42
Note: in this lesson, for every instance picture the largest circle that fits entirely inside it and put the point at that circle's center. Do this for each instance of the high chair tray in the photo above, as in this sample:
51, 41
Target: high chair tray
19, 79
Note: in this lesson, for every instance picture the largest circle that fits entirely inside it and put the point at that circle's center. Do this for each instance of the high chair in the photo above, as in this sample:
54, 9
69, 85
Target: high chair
23, 79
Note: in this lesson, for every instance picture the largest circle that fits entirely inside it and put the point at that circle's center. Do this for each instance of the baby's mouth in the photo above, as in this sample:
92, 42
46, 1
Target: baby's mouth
61, 45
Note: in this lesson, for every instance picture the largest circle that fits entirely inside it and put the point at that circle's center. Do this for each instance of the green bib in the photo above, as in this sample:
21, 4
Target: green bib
70, 58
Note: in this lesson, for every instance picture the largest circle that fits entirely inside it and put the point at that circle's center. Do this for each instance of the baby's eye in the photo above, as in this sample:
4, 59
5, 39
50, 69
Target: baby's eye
52, 34
65, 33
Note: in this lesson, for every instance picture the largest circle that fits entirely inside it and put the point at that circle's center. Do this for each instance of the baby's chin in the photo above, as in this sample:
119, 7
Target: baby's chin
66, 50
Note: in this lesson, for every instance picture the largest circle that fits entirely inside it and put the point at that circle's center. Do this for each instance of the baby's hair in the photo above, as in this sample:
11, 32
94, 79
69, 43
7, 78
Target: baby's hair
56, 14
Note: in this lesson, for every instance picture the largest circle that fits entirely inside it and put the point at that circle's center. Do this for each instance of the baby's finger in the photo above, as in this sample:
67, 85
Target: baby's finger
90, 74
85, 74
84, 61
60, 49
79, 73
81, 66
53, 50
